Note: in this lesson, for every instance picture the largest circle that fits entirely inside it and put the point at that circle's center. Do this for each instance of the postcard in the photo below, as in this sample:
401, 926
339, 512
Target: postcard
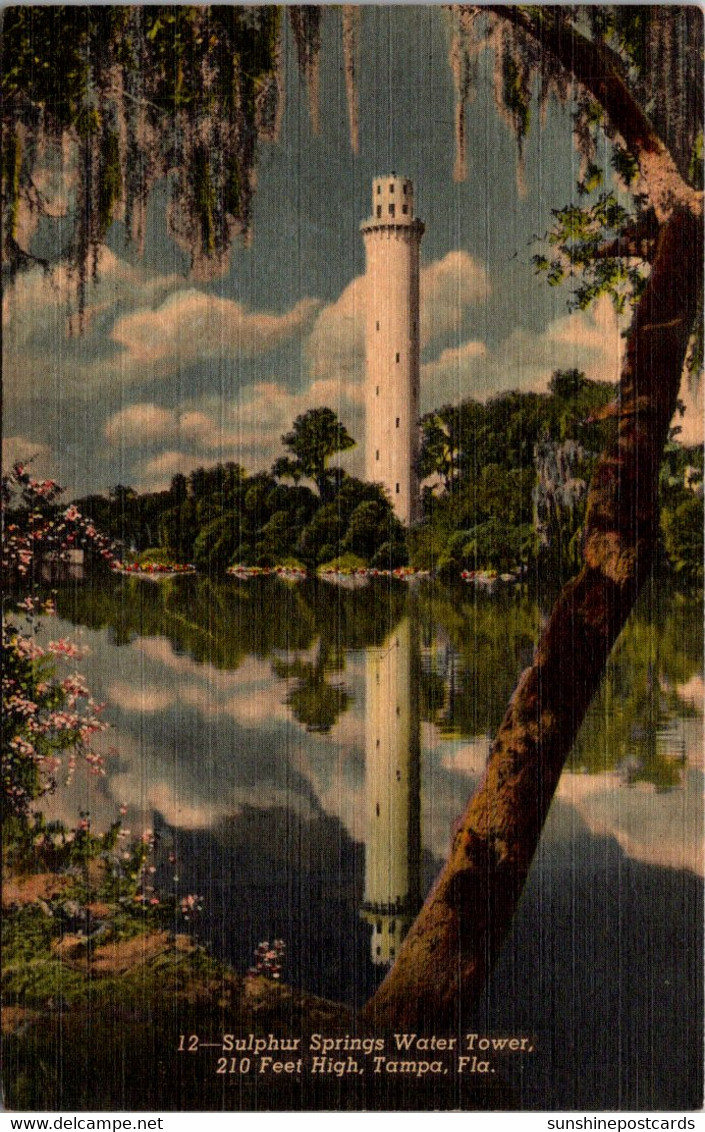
352, 496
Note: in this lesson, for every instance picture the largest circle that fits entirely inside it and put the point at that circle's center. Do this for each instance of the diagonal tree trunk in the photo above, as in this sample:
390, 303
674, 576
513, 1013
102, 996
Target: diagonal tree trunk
445, 959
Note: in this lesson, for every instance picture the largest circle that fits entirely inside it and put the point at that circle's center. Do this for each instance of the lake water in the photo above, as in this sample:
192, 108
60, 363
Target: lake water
302, 752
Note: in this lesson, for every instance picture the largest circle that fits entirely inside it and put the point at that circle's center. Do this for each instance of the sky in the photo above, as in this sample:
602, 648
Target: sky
172, 372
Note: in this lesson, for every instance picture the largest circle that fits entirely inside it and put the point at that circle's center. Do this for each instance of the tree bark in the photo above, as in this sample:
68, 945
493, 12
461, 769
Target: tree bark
447, 955
601, 72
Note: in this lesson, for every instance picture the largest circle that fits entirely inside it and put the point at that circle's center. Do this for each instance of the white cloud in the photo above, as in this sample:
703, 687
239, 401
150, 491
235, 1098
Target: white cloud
336, 346
247, 431
199, 428
269, 410
140, 424
655, 828
161, 652
20, 449
145, 424
37, 304
525, 359
193, 326
449, 287
448, 371
139, 698
156, 474
136, 326
587, 340
469, 757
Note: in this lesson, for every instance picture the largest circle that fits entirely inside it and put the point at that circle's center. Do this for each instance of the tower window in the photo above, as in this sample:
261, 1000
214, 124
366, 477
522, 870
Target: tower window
379, 189
377, 454
391, 186
397, 489
396, 357
377, 391
405, 208
391, 210
377, 324
406, 188
397, 422
379, 210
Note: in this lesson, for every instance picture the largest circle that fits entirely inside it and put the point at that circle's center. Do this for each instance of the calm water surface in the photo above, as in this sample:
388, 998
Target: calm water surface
303, 751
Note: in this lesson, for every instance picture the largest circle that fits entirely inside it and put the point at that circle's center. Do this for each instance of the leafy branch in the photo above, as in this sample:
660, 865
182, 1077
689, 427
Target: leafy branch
588, 245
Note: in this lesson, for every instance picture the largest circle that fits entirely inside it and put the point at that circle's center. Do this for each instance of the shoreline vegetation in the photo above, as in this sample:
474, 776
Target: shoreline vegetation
328, 572
88, 938
504, 493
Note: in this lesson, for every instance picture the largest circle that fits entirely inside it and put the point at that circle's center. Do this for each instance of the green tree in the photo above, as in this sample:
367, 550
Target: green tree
215, 545
608, 58
683, 537
70, 76
440, 453
116, 84
373, 526
316, 436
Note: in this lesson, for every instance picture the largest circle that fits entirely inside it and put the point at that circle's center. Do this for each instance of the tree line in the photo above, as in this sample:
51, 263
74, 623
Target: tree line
505, 487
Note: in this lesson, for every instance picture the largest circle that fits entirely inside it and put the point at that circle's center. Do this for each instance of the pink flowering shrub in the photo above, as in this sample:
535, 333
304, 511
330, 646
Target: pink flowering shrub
37, 529
49, 720
122, 891
269, 960
190, 906
49, 717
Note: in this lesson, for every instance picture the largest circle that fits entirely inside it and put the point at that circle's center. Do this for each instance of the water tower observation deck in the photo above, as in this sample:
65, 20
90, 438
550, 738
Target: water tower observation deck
392, 204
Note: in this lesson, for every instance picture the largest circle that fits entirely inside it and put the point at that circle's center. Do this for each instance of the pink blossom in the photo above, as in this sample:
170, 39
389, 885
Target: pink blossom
22, 747
66, 648
27, 647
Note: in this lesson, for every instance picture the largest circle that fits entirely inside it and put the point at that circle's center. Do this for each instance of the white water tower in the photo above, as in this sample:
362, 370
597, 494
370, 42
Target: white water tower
392, 791
392, 238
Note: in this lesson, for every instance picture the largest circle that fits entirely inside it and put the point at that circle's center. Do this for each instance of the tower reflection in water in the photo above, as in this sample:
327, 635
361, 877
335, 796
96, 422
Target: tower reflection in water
392, 790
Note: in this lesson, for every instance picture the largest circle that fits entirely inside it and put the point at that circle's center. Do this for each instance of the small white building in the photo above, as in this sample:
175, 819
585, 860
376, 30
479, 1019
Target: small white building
67, 566
392, 237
